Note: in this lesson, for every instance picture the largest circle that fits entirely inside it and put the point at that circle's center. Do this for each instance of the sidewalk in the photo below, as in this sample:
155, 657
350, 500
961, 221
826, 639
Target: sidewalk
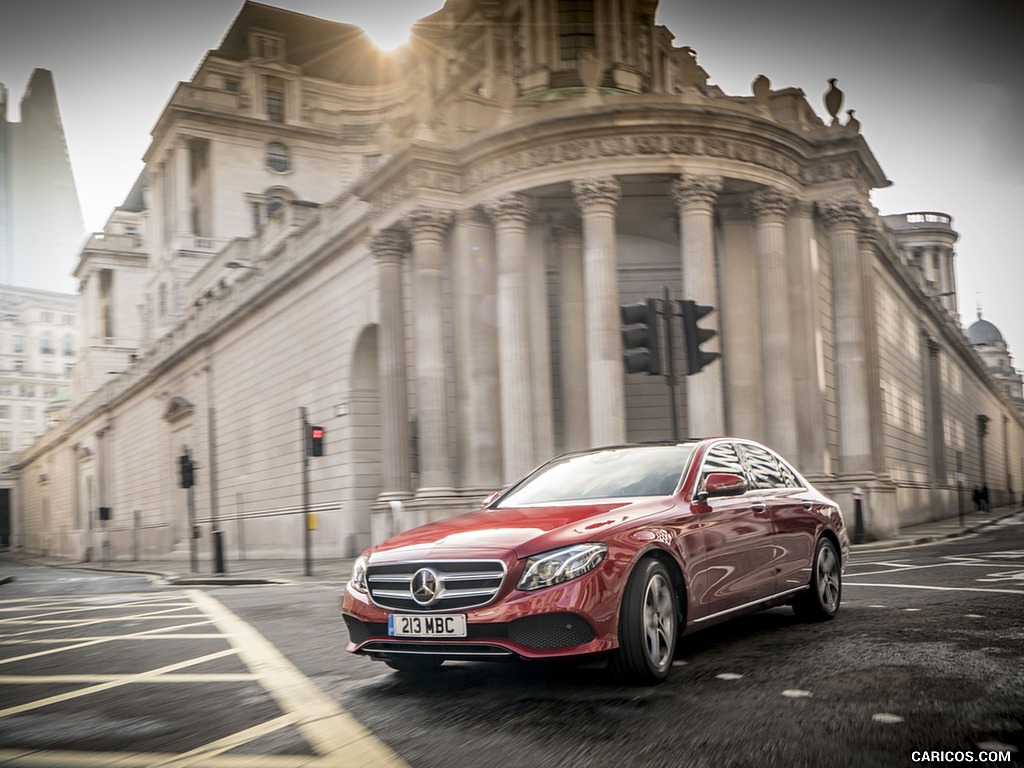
336, 571
948, 528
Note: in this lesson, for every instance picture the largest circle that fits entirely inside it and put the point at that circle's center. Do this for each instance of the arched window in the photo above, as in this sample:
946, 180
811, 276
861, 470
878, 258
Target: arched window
275, 204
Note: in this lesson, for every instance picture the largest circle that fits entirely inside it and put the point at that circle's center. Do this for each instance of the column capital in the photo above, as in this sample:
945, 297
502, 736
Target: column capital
596, 191
691, 190
770, 203
512, 208
868, 233
389, 246
845, 212
427, 223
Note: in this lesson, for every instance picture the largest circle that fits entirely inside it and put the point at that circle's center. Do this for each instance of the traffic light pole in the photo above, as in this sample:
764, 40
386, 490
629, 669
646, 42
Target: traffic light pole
307, 534
670, 373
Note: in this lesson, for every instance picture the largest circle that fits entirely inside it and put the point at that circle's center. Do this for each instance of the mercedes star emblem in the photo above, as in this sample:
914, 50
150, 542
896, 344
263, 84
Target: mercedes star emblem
425, 586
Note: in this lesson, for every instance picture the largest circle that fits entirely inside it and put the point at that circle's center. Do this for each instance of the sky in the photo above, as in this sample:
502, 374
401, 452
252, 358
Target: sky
936, 85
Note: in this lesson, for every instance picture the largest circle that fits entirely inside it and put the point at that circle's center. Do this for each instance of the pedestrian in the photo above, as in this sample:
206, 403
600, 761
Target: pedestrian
984, 498
976, 498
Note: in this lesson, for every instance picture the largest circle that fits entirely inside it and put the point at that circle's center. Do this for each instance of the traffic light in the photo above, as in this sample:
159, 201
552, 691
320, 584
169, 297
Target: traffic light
187, 477
315, 446
641, 347
693, 336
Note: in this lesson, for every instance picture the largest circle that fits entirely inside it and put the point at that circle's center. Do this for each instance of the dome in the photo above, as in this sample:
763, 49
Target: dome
983, 332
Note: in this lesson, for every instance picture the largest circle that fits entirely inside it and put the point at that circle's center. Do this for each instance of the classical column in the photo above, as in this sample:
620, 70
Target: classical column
474, 285
867, 241
808, 377
770, 208
427, 227
389, 248
598, 198
510, 214
572, 339
843, 218
182, 189
538, 243
695, 196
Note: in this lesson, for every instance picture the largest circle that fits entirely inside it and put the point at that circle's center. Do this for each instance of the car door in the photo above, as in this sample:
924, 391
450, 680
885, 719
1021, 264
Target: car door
790, 507
737, 532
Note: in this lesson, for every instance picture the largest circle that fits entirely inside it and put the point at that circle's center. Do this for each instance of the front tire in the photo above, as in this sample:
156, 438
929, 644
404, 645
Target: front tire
648, 625
821, 601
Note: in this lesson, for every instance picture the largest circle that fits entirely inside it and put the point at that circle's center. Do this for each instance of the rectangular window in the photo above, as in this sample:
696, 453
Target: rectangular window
5, 441
5, 412
27, 413
575, 29
273, 99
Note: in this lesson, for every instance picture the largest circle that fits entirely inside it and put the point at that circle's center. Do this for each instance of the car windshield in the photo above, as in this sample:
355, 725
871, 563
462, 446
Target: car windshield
650, 470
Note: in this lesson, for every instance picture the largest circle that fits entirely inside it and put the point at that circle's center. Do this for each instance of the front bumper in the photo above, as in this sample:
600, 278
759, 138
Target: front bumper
577, 618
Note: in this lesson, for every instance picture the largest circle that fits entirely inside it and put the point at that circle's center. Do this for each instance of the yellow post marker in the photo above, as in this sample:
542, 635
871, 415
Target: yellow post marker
311, 521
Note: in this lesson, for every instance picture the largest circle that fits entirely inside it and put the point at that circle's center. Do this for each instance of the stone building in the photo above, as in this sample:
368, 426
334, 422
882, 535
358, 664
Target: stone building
426, 253
992, 347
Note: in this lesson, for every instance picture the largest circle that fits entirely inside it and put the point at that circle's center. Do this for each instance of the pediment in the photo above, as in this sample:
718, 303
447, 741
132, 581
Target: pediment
178, 408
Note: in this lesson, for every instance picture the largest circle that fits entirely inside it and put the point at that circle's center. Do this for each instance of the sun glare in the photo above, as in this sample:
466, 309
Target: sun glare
390, 37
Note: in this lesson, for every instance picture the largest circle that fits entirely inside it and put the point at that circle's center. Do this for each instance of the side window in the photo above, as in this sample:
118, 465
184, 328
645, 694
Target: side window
721, 458
767, 469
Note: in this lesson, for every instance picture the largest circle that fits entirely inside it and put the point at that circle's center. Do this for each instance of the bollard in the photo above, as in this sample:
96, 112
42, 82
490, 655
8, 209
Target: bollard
218, 551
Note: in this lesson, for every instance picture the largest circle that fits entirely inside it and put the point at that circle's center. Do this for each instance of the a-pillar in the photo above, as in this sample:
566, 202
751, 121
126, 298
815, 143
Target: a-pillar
427, 227
770, 208
598, 199
474, 286
572, 337
389, 249
695, 196
510, 214
843, 220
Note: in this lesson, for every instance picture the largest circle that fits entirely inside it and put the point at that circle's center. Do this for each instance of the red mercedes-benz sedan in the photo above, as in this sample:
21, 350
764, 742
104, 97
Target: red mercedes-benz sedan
613, 552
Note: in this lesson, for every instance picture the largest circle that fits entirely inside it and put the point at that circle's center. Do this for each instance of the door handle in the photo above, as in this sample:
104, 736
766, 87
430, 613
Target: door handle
758, 507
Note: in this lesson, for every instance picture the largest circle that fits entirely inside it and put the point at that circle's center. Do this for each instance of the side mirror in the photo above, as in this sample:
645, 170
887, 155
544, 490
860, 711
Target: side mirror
723, 484
490, 499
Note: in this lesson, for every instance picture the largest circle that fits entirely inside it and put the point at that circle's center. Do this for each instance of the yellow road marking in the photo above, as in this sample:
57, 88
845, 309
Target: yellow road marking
329, 729
211, 677
149, 634
124, 680
23, 758
220, 746
97, 641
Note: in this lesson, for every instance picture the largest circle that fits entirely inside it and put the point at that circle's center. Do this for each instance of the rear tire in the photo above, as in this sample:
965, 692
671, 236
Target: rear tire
648, 625
821, 601
413, 665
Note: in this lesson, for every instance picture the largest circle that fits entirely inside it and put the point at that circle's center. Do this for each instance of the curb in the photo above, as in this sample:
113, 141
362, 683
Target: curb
875, 546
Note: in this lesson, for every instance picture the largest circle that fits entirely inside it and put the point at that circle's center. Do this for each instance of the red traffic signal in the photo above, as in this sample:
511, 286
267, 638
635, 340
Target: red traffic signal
315, 444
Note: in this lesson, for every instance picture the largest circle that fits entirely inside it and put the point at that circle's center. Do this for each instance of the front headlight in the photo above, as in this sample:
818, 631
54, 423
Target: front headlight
358, 580
561, 565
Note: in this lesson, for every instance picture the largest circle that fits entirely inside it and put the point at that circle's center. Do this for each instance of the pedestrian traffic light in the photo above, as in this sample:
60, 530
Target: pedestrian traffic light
316, 441
694, 336
187, 478
641, 347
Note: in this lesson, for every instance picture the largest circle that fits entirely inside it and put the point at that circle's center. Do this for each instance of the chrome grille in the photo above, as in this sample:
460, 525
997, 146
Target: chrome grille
439, 585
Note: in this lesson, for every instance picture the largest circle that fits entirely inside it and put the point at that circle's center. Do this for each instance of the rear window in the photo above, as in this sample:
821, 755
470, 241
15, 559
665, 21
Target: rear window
650, 470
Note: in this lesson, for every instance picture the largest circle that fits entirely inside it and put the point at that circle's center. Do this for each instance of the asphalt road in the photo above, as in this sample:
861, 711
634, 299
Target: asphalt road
923, 666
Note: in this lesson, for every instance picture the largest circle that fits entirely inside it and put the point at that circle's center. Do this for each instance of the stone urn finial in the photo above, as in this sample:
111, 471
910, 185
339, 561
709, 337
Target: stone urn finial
833, 100
852, 123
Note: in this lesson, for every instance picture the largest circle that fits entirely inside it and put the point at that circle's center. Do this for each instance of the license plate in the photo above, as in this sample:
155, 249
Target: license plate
450, 625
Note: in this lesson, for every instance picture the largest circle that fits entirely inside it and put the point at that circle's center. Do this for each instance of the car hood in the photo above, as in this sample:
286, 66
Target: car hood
524, 531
